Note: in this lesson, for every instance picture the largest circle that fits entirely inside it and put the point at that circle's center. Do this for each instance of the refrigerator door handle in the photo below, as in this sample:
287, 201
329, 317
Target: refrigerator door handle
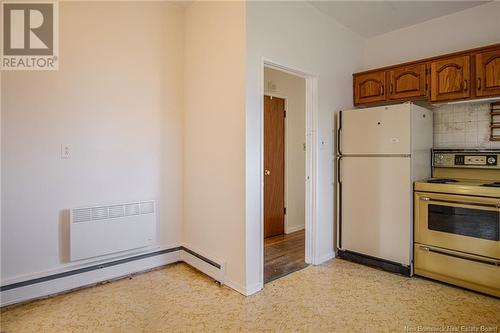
339, 203
339, 130
339, 180
338, 140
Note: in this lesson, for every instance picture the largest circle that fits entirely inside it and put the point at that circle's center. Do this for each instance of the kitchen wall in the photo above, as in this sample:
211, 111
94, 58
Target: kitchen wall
293, 89
214, 134
463, 126
117, 100
297, 35
474, 27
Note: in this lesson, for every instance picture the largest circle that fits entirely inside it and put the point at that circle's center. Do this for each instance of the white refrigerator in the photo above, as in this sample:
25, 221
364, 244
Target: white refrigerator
381, 151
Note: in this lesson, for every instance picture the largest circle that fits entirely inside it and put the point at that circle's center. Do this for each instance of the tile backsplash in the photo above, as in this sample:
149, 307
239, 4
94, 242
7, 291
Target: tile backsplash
463, 126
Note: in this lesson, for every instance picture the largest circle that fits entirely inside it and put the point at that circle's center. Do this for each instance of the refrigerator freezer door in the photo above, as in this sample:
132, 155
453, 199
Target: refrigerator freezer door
376, 207
375, 131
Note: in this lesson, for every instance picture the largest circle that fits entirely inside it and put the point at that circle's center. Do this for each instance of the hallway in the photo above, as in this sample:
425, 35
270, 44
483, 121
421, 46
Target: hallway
284, 254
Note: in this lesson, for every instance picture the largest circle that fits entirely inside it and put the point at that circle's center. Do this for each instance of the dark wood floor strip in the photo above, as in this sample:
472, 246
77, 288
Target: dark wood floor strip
283, 254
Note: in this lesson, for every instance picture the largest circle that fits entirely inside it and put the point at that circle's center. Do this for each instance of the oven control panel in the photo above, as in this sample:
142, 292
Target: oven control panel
466, 159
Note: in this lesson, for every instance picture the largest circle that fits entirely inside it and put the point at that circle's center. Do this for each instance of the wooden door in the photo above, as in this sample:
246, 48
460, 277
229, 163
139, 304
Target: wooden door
369, 88
274, 166
450, 78
407, 82
488, 73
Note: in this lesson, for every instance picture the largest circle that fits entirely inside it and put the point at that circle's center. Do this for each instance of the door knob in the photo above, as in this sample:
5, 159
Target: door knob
267, 172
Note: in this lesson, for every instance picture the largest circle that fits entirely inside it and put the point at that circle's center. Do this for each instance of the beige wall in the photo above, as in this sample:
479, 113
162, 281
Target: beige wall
214, 134
125, 98
474, 27
117, 100
293, 88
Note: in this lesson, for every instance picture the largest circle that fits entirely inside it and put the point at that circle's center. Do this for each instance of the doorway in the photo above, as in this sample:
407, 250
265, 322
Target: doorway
284, 173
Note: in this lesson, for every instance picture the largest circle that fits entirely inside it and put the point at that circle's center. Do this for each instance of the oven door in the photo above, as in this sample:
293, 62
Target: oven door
460, 223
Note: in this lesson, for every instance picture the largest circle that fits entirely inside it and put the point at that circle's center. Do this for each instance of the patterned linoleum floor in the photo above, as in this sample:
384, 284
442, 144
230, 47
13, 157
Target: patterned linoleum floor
337, 296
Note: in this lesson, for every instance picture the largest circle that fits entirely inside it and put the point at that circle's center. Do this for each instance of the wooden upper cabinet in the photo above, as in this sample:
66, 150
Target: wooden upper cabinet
488, 73
407, 82
463, 75
450, 78
369, 88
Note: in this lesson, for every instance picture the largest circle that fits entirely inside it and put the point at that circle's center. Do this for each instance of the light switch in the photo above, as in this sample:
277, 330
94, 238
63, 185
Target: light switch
65, 150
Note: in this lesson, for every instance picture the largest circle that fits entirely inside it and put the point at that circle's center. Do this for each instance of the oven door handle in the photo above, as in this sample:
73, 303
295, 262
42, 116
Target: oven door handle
497, 205
460, 256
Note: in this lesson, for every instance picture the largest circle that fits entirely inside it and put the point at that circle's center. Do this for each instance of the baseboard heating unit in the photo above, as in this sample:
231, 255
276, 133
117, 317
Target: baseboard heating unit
13, 292
107, 234
102, 230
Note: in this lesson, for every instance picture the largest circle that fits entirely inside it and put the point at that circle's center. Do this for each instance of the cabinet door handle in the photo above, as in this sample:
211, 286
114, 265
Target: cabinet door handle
392, 88
381, 90
465, 85
478, 83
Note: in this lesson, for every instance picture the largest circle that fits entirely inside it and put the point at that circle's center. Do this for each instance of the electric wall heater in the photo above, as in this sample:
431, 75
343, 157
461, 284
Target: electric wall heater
103, 230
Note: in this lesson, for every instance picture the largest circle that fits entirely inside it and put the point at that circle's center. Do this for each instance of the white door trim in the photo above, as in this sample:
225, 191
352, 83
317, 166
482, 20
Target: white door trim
311, 160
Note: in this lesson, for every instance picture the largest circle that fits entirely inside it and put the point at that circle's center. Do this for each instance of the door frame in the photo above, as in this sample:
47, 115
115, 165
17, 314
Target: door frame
311, 180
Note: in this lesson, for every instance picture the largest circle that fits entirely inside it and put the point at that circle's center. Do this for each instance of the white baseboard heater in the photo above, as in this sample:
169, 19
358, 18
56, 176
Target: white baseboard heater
44, 285
103, 230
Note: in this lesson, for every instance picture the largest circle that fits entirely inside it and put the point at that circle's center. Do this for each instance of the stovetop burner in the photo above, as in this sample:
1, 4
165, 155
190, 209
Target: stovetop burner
494, 184
461, 186
442, 181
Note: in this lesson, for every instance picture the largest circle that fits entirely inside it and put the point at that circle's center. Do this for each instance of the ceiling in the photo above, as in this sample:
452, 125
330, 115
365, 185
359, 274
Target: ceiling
372, 18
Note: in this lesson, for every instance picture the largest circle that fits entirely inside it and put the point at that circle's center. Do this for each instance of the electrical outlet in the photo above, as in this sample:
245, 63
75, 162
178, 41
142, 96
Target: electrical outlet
65, 151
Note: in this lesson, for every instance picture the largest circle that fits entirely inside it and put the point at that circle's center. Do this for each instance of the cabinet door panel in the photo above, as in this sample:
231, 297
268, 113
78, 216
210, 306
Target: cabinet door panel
407, 82
450, 79
369, 88
488, 73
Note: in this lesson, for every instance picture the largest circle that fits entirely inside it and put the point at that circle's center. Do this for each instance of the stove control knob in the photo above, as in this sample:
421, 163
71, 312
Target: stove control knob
439, 159
491, 160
